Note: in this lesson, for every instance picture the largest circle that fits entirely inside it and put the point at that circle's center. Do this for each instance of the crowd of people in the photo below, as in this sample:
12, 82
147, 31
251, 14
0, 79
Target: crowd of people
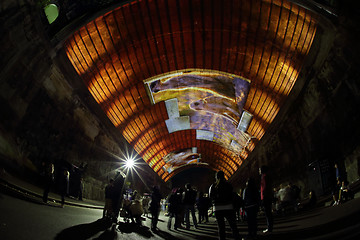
68, 183
222, 202
341, 191
183, 203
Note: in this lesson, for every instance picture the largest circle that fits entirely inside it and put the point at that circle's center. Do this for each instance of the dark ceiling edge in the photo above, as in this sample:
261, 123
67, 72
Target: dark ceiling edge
318, 52
324, 18
317, 8
61, 36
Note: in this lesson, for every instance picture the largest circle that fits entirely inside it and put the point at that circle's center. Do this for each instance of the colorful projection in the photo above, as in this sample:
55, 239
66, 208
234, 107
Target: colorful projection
180, 158
210, 101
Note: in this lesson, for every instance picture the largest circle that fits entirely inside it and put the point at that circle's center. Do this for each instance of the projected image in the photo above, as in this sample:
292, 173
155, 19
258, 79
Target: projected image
181, 158
214, 102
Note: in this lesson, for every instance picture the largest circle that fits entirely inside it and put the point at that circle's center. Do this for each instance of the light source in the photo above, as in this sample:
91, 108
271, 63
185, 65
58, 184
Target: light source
130, 162
51, 12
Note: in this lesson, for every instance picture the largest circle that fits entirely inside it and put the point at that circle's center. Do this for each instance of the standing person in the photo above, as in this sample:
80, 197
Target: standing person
109, 192
200, 206
338, 173
238, 203
136, 209
119, 181
64, 185
174, 208
266, 193
207, 203
48, 180
145, 203
203, 206
81, 187
251, 200
339, 177
221, 193
180, 215
189, 205
155, 207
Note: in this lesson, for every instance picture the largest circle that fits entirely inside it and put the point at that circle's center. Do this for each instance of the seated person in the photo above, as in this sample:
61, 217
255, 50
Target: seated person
311, 203
284, 196
345, 192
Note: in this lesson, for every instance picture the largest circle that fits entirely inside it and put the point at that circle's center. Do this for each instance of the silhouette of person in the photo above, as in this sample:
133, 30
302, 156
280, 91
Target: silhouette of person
64, 186
48, 180
203, 205
221, 193
109, 194
189, 205
251, 205
312, 200
155, 207
174, 207
81, 188
267, 195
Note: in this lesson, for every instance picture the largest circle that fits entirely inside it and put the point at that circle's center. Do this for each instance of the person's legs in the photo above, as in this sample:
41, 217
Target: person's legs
47, 188
268, 214
179, 217
192, 209
153, 221
231, 218
80, 194
154, 218
62, 199
171, 215
252, 221
200, 216
187, 216
45, 195
219, 215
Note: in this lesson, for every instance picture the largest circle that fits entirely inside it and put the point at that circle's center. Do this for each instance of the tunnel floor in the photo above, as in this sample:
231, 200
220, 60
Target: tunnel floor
327, 222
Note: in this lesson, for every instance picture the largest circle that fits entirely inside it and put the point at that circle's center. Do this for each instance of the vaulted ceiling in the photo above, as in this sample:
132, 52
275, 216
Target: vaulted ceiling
219, 59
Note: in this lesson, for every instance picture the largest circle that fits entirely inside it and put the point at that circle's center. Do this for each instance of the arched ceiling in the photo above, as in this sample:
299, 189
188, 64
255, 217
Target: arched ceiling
218, 59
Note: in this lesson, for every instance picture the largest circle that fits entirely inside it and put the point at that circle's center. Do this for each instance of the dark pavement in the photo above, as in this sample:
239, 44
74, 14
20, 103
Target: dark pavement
24, 216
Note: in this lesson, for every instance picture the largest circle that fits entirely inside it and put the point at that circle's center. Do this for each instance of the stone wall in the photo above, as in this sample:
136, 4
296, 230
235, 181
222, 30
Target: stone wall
42, 119
320, 126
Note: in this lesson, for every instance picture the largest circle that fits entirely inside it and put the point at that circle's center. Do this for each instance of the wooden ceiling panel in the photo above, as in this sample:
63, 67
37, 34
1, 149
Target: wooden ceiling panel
263, 41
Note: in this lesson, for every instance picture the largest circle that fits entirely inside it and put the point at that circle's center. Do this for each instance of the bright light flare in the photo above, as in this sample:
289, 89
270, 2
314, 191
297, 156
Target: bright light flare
130, 163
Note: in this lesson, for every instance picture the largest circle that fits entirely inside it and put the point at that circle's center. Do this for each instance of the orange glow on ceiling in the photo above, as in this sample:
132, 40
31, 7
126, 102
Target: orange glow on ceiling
263, 41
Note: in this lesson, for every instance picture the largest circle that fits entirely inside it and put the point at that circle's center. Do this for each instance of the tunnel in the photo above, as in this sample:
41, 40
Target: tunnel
181, 90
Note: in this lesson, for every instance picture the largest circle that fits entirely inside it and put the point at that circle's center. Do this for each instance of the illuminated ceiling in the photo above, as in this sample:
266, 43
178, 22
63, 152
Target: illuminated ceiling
119, 55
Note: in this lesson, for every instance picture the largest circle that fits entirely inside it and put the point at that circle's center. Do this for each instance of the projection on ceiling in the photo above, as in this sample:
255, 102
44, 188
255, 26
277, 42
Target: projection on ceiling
181, 158
173, 76
208, 101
